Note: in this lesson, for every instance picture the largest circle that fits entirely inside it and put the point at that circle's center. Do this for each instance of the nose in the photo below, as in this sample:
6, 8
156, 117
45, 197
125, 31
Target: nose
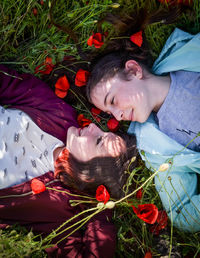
118, 114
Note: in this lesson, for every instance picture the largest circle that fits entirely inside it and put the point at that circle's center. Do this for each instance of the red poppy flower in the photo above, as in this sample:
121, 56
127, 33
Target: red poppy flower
37, 186
146, 212
83, 121
41, 2
102, 195
148, 255
81, 77
35, 11
160, 224
46, 67
95, 112
113, 124
137, 39
61, 87
96, 40
139, 194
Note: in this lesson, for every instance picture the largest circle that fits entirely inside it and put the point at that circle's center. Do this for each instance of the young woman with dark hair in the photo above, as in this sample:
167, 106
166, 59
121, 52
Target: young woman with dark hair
37, 129
162, 101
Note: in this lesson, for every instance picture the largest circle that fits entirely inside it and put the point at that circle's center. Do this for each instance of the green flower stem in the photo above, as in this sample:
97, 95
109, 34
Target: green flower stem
49, 237
77, 202
85, 220
129, 195
76, 195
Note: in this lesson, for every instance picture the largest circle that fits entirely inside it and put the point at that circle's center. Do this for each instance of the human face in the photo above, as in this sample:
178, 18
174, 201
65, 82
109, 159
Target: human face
89, 142
125, 99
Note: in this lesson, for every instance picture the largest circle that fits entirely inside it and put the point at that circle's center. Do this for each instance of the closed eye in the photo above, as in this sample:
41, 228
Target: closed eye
98, 140
112, 101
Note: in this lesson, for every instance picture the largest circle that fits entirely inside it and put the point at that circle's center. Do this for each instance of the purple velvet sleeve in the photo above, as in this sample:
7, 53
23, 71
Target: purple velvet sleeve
36, 98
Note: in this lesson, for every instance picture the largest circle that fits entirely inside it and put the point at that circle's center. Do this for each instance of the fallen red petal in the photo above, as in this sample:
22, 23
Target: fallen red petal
137, 38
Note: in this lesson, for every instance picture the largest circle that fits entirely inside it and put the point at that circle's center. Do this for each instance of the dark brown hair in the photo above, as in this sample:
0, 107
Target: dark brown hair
109, 171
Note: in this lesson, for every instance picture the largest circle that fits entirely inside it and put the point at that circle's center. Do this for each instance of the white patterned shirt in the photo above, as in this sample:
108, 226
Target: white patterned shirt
25, 150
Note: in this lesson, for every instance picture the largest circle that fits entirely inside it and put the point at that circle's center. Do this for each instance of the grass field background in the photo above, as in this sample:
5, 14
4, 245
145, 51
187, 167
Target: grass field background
27, 37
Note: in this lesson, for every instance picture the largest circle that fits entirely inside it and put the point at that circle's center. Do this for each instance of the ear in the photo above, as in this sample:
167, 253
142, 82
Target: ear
134, 68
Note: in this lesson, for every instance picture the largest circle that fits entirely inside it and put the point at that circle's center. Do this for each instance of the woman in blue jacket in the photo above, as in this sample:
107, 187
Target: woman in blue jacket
163, 103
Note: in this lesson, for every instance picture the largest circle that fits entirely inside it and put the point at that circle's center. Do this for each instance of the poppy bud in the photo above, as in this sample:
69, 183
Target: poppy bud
100, 205
115, 5
163, 167
110, 205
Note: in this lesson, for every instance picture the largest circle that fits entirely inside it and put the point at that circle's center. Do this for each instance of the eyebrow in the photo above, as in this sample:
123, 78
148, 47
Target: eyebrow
105, 100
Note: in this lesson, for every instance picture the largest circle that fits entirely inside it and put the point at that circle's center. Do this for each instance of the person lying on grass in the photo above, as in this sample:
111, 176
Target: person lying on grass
40, 139
163, 103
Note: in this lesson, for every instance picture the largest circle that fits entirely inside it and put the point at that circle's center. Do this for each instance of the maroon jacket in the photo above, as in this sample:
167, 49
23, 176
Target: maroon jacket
46, 211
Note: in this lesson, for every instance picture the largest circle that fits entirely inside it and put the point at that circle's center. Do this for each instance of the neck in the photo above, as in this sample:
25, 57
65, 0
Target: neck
158, 88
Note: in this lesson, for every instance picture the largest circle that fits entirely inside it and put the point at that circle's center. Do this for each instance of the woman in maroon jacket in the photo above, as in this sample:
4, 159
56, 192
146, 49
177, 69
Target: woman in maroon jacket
91, 154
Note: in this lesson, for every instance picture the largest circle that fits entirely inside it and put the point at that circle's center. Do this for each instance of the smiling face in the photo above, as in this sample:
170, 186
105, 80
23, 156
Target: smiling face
89, 142
125, 99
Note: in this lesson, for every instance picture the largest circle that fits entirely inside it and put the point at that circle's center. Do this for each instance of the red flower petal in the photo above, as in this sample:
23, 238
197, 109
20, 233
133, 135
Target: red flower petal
102, 194
90, 41
162, 219
37, 186
146, 212
62, 83
137, 38
113, 124
61, 87
35, 11
48, 60
46, 67
61, 94
148, 255
95, 111
96, 40
83, 121
81, 77
139, 194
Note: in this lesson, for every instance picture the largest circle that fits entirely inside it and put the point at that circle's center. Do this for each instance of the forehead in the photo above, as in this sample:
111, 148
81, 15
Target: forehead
102, 89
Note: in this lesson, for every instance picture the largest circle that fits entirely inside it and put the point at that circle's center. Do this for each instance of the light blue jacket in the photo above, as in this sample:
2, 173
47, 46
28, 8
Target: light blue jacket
178, 185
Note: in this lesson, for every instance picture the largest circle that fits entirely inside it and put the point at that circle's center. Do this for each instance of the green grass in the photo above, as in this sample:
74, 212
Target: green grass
25, 41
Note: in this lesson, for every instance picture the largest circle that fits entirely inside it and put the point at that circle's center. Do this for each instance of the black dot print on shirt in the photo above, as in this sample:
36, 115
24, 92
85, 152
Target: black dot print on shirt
16, 137
5, 172
8, 121
15, 160
27, 126
33, 162
6, 147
